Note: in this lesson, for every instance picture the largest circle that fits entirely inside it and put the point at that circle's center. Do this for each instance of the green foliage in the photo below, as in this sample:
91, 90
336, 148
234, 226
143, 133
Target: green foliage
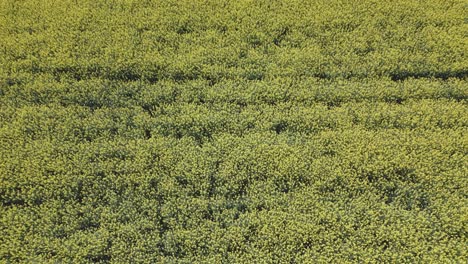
233, 131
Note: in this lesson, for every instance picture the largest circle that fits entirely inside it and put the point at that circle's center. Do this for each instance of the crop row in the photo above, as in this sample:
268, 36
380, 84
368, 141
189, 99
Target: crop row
185, 40
97, 93
237, 198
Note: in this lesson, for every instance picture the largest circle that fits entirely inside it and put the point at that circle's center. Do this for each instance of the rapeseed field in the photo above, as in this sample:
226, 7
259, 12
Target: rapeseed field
216, 131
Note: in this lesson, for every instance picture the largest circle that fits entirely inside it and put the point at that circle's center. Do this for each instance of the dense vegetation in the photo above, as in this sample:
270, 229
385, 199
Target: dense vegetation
233, 131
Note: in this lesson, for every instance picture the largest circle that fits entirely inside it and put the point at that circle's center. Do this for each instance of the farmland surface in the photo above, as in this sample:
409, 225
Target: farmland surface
150, 131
